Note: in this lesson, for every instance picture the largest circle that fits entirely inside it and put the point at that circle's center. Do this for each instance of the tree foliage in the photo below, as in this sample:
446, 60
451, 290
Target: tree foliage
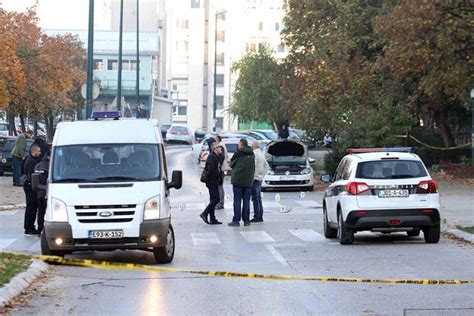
39, 74
257, 93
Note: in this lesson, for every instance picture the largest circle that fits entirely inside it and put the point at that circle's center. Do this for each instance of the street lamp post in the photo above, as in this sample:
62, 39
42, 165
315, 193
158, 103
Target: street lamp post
90, 60
119, 78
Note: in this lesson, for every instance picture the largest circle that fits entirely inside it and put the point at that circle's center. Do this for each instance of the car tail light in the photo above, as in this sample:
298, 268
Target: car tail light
427, 211
427, 187
355, 188
361, 213
394, 222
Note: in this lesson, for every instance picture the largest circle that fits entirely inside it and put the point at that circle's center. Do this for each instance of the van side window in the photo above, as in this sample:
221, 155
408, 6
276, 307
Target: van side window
346, 172
340, 168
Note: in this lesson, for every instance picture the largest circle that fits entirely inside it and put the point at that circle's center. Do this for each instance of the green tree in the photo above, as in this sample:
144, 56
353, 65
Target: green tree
257, 94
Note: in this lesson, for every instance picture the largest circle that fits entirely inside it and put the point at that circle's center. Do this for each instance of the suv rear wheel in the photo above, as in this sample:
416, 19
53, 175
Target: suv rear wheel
432, 234
329, 232
344, 234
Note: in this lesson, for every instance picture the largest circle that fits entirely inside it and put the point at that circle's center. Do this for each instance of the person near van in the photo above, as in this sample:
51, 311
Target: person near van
18, 151
261, 168
243, 173
223, 157
31, 197
43, 145
213, 168
43, 169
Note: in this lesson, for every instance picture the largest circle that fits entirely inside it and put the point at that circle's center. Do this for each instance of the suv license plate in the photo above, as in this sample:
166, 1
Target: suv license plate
105, 234
393, 193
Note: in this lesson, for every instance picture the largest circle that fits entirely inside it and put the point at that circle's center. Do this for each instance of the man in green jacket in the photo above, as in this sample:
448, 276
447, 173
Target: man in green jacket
18, 156
243, 172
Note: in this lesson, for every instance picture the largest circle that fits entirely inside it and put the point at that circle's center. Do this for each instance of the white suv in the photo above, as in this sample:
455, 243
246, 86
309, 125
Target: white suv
381, 190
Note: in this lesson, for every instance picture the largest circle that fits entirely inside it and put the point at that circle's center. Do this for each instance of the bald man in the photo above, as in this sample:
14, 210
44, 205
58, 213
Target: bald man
261, 169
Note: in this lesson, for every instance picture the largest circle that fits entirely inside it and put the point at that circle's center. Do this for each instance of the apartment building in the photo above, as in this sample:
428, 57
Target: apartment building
201, 41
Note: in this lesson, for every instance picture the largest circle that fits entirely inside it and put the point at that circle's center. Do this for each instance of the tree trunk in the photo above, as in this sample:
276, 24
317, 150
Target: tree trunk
49, 120
11, 124
445, 131
35, 128
22, 122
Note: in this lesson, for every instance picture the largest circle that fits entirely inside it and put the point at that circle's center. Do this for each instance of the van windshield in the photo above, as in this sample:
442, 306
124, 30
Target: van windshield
106, 163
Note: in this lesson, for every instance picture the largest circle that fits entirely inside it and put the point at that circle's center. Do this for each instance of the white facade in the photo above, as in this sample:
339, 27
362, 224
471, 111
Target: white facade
189, 52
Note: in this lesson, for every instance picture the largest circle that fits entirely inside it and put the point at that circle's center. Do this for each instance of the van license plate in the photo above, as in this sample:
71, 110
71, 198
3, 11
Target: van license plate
105, 234
393, 193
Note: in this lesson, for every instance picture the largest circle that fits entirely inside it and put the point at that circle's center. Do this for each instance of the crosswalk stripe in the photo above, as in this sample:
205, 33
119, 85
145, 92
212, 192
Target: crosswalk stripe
195, 206
271, 204
277, 255
205, 239
8, 213
4, 243
257, 237
307, 235
309, 204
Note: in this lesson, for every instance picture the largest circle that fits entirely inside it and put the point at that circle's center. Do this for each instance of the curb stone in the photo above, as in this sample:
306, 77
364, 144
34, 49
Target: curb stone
461, 235
8, 207
21, 281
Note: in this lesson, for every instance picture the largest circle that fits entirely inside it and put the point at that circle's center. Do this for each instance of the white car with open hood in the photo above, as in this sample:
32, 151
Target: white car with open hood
289, 166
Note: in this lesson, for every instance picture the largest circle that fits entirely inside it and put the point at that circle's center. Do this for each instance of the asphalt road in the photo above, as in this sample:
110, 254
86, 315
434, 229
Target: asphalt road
289, 242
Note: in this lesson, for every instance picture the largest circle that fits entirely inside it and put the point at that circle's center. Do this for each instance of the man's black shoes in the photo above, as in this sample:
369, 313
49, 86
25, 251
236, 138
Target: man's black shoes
256, 221
215, 222
204, 218
32, 233
234, 224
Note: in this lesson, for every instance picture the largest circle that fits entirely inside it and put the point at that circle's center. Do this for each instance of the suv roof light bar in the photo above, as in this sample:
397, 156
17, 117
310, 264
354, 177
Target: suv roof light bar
110, 114
377, 150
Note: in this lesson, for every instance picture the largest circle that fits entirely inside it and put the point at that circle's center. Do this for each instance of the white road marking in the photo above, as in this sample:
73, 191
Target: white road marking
8, 213
270, 204
4, 243
257, 237
205, 239
309, 204
277, 255
36, 247
307, 234
195, 206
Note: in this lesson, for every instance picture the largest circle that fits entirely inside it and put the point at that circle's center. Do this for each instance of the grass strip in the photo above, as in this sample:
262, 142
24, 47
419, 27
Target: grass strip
11, 265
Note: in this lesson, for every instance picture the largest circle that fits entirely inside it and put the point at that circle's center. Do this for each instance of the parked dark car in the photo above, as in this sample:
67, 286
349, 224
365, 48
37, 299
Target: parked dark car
6, 155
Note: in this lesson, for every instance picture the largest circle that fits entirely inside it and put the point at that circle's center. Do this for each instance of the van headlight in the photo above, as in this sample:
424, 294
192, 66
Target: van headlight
152, 208
306, 171
58, 210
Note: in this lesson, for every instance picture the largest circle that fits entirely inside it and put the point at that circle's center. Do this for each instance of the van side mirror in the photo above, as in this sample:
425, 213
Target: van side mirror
311, 160
326, 178
35, 182
176, 180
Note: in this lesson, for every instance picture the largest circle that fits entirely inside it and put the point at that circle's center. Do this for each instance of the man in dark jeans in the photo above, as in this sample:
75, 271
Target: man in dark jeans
213, 167
31, 197
243, 171
17, 156
43, 169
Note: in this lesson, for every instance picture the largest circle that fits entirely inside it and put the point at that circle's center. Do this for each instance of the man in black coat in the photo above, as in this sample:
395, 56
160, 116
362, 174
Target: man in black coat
213, 168
43, 169
31, 197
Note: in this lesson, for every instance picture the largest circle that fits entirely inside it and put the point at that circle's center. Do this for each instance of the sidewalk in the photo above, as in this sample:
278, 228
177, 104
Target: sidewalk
10, 195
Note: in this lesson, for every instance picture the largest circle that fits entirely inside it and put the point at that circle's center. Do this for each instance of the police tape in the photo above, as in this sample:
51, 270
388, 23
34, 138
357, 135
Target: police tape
139, 267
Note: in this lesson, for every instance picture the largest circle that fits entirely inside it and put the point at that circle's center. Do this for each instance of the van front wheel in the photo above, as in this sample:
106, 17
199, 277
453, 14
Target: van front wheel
166, 254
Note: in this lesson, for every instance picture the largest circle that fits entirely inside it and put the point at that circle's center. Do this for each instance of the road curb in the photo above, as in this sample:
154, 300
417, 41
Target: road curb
21, 282
8, 207
460, 234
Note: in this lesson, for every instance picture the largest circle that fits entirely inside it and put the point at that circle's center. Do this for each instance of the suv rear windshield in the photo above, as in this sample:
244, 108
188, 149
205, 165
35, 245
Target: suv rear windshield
180, 130
390, 169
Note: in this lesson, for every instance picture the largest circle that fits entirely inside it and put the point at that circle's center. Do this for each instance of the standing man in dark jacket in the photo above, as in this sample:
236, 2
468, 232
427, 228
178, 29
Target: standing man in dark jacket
31, 197
213, 168
43, 169
43, 145
18, 156
243, 172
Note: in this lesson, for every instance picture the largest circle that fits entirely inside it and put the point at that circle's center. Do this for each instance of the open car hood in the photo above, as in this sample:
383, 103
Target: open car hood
282, 148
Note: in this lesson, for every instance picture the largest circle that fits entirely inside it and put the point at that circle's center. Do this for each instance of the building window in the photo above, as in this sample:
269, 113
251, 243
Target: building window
221, 36
182, 46
98, 64
219, 101
112, 64
182, 24
281, 48
220, 122
250, 47
277, 27
220, 79
182, 110
260, 26
220, 58
195, 4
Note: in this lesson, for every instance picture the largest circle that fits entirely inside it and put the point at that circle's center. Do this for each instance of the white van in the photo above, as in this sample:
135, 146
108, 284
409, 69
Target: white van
108, 189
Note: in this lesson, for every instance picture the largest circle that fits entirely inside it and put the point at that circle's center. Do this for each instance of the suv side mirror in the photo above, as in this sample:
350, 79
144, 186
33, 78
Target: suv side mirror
176, 180
35, 182
326, 178
311, 160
